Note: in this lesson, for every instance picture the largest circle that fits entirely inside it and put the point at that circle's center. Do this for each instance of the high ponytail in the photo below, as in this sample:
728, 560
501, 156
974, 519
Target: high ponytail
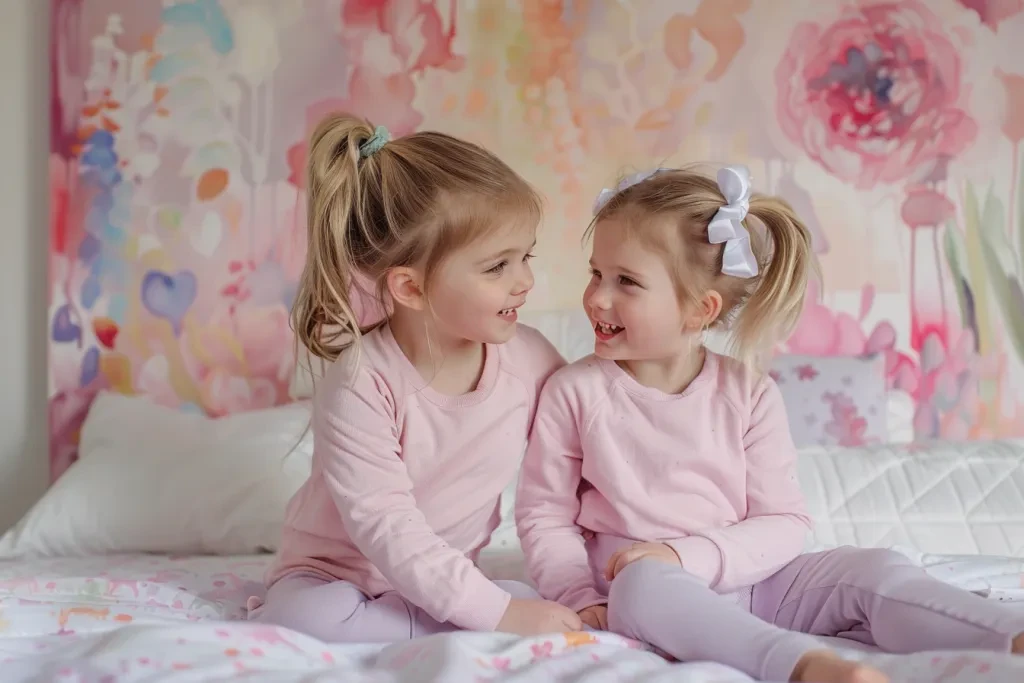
323, 317
773, 306
406, 202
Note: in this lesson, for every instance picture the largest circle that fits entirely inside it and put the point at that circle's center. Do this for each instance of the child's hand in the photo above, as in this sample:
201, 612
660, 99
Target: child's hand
626, 557
595, 616
538, 617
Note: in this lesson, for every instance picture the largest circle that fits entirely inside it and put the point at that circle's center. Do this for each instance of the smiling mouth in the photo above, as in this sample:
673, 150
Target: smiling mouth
606, 331
508, 314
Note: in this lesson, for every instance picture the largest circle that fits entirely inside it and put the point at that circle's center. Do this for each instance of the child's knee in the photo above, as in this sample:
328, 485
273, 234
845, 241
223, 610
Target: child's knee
320, 611
888, 558
629, 584
873, 568
631, 592
879, 561
297, 616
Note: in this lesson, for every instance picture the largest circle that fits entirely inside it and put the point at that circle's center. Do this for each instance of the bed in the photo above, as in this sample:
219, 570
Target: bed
138, 617
135, 617
137, 563
143, 617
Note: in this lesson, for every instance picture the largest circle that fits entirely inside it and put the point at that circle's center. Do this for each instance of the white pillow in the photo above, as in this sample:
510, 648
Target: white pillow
152, 479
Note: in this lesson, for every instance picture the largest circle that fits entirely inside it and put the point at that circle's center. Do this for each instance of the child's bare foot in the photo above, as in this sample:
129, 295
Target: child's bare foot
824, 666
1017, 646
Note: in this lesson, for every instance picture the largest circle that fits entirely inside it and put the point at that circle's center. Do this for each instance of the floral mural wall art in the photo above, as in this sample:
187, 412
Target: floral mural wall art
875, 98
178, 144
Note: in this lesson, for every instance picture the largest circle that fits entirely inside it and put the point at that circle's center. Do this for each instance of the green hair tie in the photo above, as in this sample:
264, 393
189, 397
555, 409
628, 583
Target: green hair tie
379, 138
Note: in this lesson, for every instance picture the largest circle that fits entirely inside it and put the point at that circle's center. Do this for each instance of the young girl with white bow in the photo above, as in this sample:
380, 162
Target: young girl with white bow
679, 467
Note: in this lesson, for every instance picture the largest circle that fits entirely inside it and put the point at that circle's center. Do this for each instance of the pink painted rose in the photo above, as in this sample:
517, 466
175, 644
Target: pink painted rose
242, 361
875, 97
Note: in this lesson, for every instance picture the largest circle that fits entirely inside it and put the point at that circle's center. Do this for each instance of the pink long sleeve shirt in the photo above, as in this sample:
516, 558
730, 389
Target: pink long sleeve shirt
405, 482
710, 471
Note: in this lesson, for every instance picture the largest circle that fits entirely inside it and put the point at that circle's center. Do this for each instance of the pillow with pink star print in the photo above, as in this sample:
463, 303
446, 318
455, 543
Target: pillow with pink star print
833, 401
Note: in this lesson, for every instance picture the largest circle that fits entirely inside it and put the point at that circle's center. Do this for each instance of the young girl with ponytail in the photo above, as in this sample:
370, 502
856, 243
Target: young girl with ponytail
422, 416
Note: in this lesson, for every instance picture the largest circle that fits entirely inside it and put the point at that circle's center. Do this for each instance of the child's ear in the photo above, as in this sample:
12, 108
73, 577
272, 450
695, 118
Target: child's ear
405, 286
709, 309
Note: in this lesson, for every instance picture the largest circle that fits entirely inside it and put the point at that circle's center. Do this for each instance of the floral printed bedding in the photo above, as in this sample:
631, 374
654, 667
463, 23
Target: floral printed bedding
150, 618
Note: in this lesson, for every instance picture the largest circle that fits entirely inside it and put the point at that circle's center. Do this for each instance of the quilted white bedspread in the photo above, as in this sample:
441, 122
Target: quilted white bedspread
938, 498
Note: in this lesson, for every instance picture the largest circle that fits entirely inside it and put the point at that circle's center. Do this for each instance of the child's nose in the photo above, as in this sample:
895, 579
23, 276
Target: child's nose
599, 301
525, 281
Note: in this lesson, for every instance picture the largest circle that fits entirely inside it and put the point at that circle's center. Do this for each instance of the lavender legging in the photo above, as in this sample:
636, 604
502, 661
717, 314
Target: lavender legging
338, 612
875, 597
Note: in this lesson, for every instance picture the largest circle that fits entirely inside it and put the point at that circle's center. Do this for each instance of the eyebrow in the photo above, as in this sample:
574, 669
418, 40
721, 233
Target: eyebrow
505, 252
625, 271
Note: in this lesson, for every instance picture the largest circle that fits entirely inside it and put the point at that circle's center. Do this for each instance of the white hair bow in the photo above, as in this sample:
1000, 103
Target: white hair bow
727, 226
605, 195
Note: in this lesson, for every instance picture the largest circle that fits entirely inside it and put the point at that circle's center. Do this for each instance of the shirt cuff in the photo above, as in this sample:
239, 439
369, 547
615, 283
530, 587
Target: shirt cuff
699, 557
482, 606
583, 599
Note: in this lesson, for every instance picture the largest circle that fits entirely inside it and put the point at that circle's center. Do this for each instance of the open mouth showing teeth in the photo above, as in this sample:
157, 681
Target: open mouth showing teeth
607, 330
507, 313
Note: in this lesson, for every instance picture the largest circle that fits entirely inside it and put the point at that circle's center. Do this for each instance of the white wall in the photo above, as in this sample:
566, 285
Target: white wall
24, 228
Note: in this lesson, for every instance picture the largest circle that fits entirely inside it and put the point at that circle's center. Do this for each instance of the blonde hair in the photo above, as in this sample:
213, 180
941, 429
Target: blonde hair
760, 311
410, 203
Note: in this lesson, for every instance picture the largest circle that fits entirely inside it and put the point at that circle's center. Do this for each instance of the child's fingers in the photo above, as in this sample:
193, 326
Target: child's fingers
569, 617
